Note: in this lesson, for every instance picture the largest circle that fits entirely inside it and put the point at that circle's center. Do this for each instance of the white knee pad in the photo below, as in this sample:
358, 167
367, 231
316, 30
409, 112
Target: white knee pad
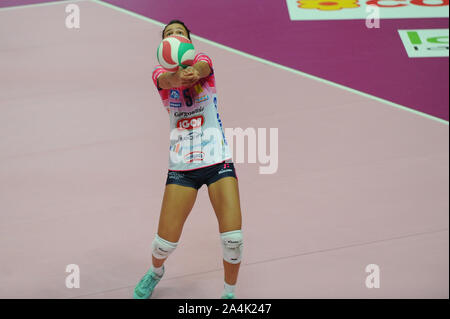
162, 248
232, 245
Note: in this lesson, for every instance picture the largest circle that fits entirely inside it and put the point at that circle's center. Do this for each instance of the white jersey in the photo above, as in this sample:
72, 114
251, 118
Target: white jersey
197, 138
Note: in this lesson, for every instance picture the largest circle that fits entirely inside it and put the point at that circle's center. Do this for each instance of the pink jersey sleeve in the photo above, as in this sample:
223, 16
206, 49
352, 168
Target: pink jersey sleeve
205, 58
162, 92
157, 71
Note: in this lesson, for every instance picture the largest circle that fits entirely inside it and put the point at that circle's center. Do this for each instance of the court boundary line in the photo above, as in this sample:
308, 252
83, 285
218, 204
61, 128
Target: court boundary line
276, 65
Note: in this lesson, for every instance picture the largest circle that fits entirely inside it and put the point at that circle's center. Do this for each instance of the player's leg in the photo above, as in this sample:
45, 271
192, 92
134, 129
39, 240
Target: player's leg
175, 208
176, 205
224, 196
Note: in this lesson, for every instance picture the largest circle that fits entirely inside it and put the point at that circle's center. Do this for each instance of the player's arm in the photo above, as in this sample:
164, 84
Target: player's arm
184, 77
169, 80
198, 71
202, 68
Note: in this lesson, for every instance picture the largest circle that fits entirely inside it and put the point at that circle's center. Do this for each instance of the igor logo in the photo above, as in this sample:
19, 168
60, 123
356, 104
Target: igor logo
190, 123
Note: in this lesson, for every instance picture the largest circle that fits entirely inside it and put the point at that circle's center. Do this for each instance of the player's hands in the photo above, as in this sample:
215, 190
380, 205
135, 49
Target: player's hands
189, 76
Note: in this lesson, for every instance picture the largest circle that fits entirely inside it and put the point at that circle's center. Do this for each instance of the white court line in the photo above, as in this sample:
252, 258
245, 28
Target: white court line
248, 56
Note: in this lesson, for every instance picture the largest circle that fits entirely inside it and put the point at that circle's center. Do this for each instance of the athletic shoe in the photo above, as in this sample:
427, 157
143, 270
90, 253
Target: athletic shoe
144, 288
228, 296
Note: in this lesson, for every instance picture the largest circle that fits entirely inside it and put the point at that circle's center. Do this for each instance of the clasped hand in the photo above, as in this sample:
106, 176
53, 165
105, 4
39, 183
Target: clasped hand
188, 76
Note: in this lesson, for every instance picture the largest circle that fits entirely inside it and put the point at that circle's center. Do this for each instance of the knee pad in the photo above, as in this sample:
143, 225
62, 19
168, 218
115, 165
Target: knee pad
232, 245
162, 248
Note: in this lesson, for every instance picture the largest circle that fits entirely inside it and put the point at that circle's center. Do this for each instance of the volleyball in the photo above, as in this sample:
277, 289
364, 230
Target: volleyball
175, 52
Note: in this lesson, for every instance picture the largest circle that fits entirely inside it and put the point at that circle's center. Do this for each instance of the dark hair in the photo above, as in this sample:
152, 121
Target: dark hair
179, 22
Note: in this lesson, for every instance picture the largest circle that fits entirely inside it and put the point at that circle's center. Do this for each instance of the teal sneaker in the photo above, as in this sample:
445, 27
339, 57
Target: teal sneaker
228, 296
144, 288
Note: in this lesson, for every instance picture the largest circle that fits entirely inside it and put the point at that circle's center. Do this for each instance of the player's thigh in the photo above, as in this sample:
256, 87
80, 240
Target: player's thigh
224, 197
176, 205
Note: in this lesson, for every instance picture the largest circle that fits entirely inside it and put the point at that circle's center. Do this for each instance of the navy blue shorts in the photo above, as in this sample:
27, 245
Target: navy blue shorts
206, 175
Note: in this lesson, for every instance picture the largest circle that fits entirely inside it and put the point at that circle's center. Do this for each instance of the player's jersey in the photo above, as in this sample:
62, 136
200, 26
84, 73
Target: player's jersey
197, 138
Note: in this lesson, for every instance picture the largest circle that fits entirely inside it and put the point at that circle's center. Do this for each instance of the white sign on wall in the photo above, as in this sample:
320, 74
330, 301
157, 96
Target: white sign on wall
425, 43
356, 9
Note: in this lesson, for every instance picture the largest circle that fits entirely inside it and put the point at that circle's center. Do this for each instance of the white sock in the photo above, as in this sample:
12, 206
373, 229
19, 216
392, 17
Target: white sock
158, 271
228, 289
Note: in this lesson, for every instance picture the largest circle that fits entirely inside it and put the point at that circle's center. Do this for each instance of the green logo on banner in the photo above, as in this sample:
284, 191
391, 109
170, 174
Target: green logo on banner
425, 43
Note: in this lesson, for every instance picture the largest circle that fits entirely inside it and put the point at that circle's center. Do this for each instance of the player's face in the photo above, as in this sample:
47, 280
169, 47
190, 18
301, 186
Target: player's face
175, 29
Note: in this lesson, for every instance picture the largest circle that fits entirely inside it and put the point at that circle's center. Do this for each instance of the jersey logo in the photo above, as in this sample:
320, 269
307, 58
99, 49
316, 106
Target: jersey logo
174, 94
191, 123
194, 156
198, 88
202, 98
175, 104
